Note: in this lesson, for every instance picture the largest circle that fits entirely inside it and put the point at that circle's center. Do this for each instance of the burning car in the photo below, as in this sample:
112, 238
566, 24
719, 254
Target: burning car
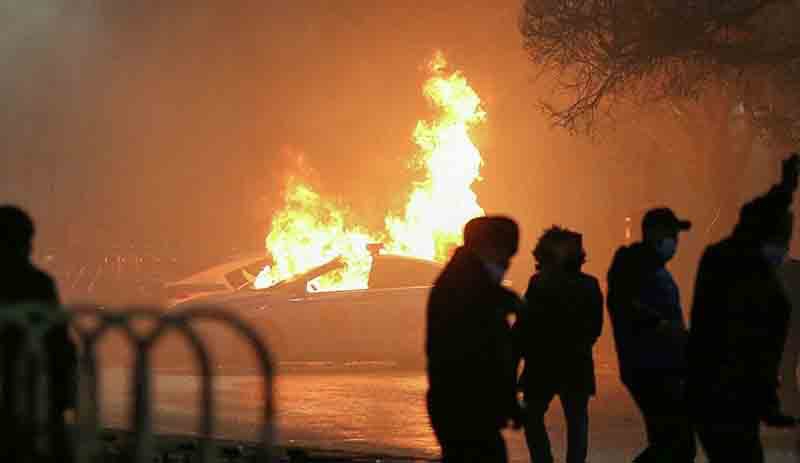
237, 272
302, 323
329, 293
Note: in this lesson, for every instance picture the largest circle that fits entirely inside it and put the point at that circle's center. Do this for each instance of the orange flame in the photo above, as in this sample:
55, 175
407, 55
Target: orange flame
440, 205
310, 231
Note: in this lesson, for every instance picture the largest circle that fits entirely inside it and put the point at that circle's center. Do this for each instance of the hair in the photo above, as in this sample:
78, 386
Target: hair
17, 229
553, 243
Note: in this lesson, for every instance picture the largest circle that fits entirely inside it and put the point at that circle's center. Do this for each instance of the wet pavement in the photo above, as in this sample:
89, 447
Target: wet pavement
373, 409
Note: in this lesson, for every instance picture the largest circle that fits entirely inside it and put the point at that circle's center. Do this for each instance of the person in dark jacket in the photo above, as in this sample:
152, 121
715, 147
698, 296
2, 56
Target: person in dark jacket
471, 376
738, 328
789, 394
555, 334
650, 336
22, 283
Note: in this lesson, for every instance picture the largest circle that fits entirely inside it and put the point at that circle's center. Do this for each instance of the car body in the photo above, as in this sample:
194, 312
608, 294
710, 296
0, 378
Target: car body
238, 271
385, 322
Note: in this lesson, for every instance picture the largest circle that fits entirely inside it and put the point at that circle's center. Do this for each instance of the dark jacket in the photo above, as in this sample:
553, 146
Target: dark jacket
22, 283
556, 331
739, 319
789, 274
645, 311
468, 345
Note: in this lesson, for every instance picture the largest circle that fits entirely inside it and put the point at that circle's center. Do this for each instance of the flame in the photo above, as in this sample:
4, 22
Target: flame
310, 231
440, 205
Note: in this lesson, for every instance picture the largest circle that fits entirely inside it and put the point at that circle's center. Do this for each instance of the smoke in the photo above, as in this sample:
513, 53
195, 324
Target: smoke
163, 122
44, 46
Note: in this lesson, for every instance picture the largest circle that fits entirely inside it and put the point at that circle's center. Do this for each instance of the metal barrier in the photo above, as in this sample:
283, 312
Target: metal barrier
90, 324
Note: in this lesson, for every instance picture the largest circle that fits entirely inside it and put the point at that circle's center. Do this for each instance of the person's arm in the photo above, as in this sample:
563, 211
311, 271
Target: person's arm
507, 359
523, 325
518, 336
789, 172
63, 354
702, 292
773, 342
624, 295
588, 322
509, 302
595, 311
758, 213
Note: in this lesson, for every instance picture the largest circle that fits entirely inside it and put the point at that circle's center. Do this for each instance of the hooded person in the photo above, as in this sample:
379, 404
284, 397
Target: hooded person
650, 335
471, 376
739, 322
22, 283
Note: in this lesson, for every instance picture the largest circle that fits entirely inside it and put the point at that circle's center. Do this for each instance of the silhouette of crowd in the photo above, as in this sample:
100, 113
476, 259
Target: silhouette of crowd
495, 359
714, 381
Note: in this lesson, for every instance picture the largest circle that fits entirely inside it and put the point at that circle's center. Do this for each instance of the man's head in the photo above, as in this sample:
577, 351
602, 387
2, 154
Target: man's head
17, 229
495, 239
559, 248
660, 229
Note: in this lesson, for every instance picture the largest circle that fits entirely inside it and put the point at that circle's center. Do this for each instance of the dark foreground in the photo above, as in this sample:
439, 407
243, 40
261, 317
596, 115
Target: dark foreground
372, 410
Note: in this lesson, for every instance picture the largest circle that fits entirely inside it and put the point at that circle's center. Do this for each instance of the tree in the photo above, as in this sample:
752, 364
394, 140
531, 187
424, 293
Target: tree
721, 73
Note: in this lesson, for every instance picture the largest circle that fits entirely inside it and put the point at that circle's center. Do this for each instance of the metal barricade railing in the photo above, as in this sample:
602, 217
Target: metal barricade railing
34, 322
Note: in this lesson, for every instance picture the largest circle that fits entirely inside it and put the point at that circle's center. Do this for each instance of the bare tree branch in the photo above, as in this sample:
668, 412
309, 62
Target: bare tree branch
603, 52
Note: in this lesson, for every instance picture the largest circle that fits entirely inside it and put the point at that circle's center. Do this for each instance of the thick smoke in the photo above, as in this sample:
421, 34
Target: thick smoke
161, 123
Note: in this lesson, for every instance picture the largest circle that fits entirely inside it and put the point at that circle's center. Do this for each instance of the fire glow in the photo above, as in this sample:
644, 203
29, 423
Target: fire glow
310, 230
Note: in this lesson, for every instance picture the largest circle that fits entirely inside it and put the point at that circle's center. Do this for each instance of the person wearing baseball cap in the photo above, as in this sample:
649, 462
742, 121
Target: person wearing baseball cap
666, 218
739, 323
650, 335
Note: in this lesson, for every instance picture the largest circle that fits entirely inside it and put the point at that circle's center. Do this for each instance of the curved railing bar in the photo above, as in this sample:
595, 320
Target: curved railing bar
90, 422
35, 320
266, 432
206, 419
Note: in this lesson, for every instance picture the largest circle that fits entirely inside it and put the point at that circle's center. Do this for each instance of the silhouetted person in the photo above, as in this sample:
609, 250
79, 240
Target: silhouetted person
739, 320
471, 376
20, 283
555, 333
650, 336
789, 392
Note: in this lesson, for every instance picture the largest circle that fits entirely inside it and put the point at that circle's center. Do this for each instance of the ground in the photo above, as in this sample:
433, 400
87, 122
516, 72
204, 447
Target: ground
375, 409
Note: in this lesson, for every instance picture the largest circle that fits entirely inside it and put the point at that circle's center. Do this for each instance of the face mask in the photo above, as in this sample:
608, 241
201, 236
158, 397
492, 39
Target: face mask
775, 254
666, 248
496, 271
